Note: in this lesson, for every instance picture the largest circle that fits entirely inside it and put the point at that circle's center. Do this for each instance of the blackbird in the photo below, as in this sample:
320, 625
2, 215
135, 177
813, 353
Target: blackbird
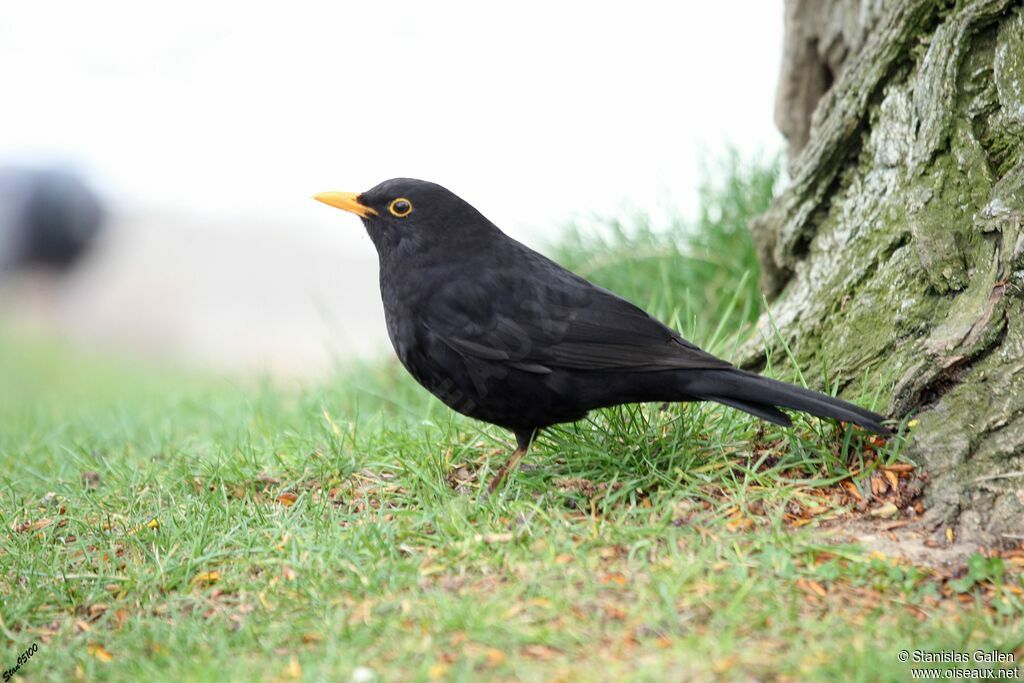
503, 334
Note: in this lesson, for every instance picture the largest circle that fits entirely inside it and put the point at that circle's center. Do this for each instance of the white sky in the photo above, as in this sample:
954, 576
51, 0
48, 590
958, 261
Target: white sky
533, 111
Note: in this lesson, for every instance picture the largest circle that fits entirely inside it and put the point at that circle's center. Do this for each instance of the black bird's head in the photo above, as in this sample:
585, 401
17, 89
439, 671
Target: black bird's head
409, 215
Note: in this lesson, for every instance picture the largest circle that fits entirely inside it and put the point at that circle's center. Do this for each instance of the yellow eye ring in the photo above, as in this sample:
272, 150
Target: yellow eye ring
400, 208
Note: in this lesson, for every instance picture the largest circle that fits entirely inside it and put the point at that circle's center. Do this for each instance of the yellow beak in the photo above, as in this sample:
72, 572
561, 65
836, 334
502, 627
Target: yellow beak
349, 201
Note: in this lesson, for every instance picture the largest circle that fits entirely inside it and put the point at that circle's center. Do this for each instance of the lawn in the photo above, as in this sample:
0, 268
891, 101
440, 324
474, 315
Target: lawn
162, 525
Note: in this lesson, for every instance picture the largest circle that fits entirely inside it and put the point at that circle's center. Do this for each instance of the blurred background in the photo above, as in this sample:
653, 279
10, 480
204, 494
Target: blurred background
157, 162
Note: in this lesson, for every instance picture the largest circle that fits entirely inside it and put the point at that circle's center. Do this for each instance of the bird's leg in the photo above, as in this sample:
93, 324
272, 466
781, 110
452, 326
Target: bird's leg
523, 440
506, 469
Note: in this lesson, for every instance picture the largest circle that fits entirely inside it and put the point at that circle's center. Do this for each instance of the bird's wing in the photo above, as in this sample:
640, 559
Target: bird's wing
537, 319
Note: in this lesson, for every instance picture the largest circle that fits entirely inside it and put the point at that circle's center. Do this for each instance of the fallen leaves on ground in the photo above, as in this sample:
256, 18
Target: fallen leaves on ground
31, 526
99, 652
206, 577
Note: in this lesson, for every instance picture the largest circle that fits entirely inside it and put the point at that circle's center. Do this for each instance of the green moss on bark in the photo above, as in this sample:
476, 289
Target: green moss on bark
899, 247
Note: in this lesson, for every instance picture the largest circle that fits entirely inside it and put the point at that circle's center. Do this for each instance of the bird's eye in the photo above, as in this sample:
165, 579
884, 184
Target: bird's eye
400, 207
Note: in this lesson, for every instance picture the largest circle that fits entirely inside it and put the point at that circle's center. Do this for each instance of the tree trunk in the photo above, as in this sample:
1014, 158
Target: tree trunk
897, 250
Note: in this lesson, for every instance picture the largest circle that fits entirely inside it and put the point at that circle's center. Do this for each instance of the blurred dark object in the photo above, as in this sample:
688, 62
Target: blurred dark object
48, 217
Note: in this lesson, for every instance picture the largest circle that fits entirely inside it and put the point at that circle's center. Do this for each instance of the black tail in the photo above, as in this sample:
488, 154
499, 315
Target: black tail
762, 396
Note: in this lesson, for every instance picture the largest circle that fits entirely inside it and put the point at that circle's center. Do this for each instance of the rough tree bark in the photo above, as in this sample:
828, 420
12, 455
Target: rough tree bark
897, 248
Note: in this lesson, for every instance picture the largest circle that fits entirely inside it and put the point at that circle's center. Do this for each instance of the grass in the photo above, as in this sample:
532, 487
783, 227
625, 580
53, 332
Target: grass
172, 527
704, 275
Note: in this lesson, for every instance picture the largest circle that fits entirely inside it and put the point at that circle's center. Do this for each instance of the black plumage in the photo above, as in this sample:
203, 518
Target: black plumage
505, 335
